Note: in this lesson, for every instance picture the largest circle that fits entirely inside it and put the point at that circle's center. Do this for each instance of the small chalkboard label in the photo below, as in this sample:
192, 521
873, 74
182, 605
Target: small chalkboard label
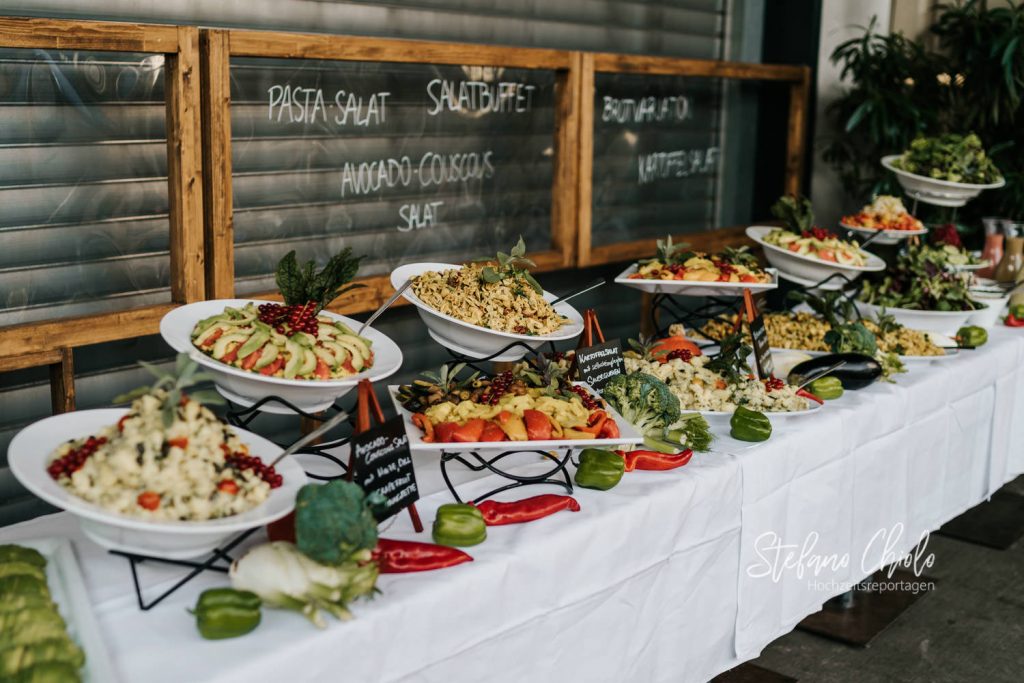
759, 334
599, 363
383, 463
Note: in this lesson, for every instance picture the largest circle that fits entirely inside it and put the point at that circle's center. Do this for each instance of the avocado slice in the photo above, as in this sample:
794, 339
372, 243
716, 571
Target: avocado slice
208, 332
267, 356
295, 359
356, 358
308, 362
339, 352
357, 343
258, 339
343, 328
205, 324
220, 347
304, 339
325, 354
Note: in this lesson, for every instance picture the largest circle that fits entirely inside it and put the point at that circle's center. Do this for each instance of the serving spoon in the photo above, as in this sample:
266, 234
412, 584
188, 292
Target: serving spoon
312, 436
582, 290
385, 306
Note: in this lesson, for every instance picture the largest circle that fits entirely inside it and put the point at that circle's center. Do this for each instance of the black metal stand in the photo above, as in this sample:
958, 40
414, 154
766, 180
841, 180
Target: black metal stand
218, 561
472, 361
243, 417
557, 475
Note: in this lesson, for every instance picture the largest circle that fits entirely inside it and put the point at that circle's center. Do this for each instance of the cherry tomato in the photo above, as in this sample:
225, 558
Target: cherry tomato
149, 500
179, 443
227, 486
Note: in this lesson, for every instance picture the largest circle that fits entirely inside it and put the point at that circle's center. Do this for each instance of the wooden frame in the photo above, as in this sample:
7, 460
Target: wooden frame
218, 46
799, 78
180, 46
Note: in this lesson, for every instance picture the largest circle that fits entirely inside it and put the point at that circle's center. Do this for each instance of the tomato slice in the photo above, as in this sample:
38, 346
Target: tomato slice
272, 367
212, 338
470, 431
445, 431
538, 426
492, 432
249, 361
180, 442
227, 486
322, 371
232, 355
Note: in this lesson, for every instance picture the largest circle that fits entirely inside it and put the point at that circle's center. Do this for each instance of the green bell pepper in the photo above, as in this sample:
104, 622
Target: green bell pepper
599, 469
1017, 311
749, 425
49, 672
226, 613
971, 335
826, 388
459, 524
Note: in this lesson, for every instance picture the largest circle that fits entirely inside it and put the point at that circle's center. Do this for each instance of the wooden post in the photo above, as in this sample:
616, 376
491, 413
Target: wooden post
796, 135
565, 184
585, 160
62, 383
184, 168
218, 214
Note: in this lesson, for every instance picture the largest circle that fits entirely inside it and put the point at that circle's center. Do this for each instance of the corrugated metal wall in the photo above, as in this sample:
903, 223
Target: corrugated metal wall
83, 220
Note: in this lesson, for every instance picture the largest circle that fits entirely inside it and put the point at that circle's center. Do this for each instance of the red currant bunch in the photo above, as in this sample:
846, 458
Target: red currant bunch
682, 354
773, 383
242, 461
589, 402
73, 460
290, 319
498, 387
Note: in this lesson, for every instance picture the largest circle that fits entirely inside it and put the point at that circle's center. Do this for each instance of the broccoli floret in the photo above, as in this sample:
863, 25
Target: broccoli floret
644, 401
333, 521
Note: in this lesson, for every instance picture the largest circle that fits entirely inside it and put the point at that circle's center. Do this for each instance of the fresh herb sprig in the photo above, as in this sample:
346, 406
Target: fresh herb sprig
731, 359
510, 266
847, 333
174, 383
302, 284
795, 213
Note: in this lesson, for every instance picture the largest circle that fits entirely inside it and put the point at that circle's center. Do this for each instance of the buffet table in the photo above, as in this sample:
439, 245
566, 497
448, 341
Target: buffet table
657, 579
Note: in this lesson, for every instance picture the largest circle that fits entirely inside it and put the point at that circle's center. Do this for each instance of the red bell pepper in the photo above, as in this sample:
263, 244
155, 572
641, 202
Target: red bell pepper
809, 396
526, 510
443, 432
609, 430
595, 422
492, 432
470, 431
399, 557
424, 423
1014, 321
538, 426
655, 461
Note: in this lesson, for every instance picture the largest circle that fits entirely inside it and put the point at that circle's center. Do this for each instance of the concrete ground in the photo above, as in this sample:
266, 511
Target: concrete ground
969, 628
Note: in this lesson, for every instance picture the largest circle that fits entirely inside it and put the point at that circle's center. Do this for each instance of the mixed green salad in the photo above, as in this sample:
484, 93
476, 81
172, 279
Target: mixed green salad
951, 157
921, 281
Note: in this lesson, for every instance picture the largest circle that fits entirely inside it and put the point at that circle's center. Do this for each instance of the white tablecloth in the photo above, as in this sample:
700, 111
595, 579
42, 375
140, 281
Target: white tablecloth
657, 579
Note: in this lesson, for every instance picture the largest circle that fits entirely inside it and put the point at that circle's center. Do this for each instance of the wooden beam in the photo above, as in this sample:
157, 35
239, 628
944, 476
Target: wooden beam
218, 214
565, 182
796, 134
30, 360
370, 49
676, 66
62, 382
585, 162
58, 34
46, 336
184, 168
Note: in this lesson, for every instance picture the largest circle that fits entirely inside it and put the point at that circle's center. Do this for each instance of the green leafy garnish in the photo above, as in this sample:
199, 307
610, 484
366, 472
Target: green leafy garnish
170, 387
302, 284
731, 359
794, 212
511, 266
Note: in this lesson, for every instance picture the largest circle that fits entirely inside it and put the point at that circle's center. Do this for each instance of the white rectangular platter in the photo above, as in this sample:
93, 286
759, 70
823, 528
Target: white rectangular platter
694, 288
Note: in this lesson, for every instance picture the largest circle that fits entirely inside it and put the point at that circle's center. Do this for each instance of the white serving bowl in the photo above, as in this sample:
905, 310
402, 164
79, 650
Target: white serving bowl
31, 448
887, 236
807, 267
936, 192
940, 322
472, 340
994, 305
246, 388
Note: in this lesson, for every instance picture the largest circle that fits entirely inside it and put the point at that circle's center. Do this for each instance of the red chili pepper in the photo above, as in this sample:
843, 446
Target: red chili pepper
1014, 321
609, 430
399, 557
497, 513
655, 461
808, 395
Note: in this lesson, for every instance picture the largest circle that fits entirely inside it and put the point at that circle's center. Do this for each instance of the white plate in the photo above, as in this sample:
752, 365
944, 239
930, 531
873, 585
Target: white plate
627, 434
474, 340
940, 322
949, 354
68, 591
694, 288
774, 414
808, 267
936, 192
31, 448
887, 236
246, 388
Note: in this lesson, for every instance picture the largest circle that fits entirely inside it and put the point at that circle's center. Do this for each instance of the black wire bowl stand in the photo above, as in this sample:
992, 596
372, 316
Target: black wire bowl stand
694, 318
472, 361
557, 475
219, 560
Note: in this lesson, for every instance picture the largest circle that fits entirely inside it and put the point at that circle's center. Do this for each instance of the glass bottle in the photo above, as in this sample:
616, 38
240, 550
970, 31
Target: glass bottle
1012, 261
992, 252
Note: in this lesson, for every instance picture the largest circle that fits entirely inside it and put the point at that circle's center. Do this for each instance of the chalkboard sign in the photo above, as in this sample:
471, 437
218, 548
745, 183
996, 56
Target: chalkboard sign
383, 463
402, 162
657, 156
599, 363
